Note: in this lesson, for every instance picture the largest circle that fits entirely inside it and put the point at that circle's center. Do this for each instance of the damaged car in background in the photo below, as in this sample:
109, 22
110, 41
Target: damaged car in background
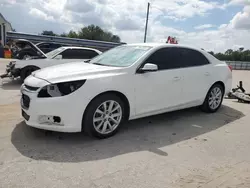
58, 56
25, 49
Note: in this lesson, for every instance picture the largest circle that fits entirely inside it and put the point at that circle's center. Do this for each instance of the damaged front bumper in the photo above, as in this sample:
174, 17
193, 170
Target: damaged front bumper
11, 71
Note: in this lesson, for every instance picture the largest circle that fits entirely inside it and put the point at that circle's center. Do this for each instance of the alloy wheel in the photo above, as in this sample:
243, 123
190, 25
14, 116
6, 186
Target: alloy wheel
215, 97
107, 117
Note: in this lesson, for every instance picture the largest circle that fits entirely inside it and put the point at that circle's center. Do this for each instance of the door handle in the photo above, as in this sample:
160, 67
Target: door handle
176, 78
207, 74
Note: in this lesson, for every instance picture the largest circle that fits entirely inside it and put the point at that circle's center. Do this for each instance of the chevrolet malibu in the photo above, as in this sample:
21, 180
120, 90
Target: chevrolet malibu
124, 83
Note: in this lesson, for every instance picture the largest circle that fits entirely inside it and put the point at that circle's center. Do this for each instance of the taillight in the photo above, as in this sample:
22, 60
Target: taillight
230, 67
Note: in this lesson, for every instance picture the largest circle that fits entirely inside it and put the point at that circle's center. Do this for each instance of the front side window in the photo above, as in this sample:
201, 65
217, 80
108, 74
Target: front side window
165, 58
121, 56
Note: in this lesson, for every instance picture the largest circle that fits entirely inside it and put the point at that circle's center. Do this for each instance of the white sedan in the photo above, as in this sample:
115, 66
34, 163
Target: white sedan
124, 83
58, 56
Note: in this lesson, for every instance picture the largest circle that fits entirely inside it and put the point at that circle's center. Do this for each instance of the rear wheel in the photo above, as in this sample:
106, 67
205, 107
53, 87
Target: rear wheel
104, 116
213, 99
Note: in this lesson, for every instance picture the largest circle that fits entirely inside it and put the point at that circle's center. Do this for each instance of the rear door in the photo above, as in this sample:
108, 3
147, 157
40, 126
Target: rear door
196, 73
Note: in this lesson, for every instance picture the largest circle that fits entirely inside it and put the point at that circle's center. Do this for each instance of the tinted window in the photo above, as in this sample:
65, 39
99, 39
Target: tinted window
43, 46
88, 54
172, 58
55, 46
192, 58
166, 58
78, 54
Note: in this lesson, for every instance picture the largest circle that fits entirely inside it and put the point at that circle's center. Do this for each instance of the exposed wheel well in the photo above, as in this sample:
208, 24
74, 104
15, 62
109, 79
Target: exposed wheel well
23, 72
30, 67
118, 94
218, 82
221, 83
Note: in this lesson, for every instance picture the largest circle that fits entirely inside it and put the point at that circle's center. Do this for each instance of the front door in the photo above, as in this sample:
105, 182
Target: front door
160, 90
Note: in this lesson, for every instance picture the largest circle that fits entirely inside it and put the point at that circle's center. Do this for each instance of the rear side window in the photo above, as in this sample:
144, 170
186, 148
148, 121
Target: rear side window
88, 54
78, 54
191, 58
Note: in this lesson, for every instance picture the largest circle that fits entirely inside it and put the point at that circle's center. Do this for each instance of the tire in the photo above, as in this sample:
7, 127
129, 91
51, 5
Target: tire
209, 106
25, 72
90, 126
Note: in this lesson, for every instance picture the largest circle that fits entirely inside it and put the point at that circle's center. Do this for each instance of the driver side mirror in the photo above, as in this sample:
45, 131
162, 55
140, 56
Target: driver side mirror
58, 57
148, 67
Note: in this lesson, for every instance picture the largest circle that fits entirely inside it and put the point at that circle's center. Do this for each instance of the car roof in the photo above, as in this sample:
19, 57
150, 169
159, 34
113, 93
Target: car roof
164, 45
77, 47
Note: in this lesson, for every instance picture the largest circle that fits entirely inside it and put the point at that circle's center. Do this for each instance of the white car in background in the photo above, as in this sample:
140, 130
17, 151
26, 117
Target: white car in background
127, 82
24, 68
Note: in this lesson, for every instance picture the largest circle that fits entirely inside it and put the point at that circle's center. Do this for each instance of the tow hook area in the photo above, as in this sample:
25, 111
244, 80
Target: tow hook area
51, 120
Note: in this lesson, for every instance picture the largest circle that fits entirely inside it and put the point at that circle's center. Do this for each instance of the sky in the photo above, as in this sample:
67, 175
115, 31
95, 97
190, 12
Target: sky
208, 24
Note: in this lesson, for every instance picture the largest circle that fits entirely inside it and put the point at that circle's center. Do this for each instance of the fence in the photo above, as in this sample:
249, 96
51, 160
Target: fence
239, 65
100, 45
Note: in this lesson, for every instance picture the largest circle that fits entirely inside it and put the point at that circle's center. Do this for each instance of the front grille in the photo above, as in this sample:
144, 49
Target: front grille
31, 88
25, 101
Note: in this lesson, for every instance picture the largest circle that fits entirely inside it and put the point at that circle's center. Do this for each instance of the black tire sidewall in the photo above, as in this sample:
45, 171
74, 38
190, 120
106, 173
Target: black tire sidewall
205, 107
87, 123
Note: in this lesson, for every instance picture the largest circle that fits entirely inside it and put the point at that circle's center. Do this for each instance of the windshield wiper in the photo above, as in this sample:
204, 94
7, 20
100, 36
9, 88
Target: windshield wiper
87, 61
100, 64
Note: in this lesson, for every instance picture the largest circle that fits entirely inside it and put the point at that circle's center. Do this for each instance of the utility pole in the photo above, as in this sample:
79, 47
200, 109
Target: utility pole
146, 26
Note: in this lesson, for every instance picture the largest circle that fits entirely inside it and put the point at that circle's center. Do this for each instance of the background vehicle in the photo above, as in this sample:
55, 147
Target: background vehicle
58, 56
127, 82
24, 49
49, 46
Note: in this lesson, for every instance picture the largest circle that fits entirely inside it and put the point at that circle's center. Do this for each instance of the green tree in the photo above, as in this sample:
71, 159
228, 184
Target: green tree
73, 34
233, 55
93, 32
48, 33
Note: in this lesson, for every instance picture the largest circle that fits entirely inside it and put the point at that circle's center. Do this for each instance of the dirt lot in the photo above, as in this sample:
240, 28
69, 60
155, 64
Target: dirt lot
180, 149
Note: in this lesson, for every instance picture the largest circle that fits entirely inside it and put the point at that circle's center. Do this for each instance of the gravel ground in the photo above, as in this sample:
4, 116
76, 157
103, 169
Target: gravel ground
179, 149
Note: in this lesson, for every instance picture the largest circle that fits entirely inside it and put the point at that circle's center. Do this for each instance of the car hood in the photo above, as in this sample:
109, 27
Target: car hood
41, 63
75, 71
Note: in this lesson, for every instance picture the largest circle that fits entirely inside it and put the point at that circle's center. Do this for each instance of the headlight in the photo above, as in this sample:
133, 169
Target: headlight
60, 89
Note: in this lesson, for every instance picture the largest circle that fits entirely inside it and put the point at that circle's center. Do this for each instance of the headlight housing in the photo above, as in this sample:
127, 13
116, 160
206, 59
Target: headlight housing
60, 89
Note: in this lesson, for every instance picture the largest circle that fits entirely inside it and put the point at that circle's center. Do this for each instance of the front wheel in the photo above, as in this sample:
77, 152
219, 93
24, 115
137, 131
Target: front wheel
104, 116
213, 99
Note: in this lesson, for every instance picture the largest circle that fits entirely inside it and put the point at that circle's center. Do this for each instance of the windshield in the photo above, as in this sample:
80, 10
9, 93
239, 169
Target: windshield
54, 52
121, 56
